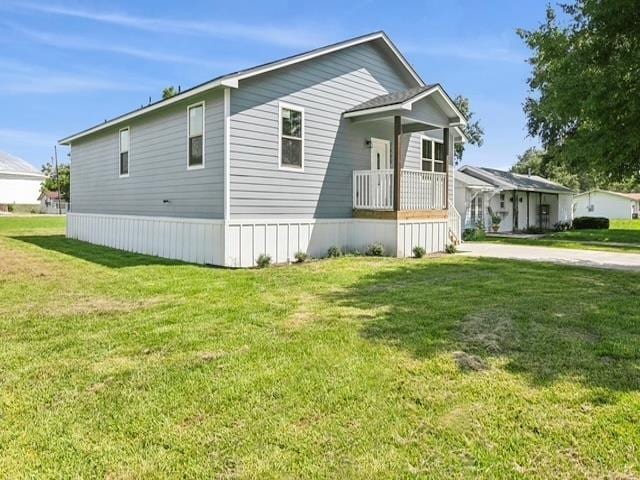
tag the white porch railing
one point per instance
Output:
(455, 226)
(422, 190)
(373, 190)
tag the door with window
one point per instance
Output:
(381, 181)
(380, 154)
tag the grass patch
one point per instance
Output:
(126, 366)
(623, 236)
(559, 243)
(620, 231)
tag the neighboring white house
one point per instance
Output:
(522, 201)
(344, 145)
(603, 203)
(19, 181)
(472, 197)
(51, 203)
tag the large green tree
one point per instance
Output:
(538, 162)
(473, 130)
(60, 181)
(585, 86)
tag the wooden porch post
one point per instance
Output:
(539, 209)
(445, 165)
(397, 152)
(528, 209)
(514, 216)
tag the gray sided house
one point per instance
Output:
(521, 201)
(344, 145)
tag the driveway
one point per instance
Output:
(583, 258)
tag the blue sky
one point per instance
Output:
(66, 65)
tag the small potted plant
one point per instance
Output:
(495, 220)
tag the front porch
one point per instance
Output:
(410, 163)
(422, 194)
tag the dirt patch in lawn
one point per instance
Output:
(490, 331)
(16, 265)
(68, 304)
(467, 362)
(304, 314)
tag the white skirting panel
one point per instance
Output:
(282, 239)
(241, 242)
(430, 235)
(366, 232)
(188, 239)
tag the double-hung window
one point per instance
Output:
(432, 155)
(195, 136)
(124, 152)
(438, 158)
(291, 137)
(427, 155)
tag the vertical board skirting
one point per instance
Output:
(281, 240)
(203, 241)
(190, 240)
(430, 235)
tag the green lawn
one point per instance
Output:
(620, 231)
(117, 365)
(622, 236)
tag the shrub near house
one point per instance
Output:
(590, 223)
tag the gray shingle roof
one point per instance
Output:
(391, 98)
(509, 180)
(471, 181)
(11, 164)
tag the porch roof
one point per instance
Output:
(405, 100)
(394, 98)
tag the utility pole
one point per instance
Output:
(55, 152)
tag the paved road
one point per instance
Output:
(567, 256)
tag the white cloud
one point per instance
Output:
(493, 49)
(288, 36)
(9, 135)
(86, 44)
(16, 78)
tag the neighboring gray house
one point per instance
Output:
(344, 145)
(522, 201)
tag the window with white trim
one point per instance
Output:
(124, 152)
(432, 156)
(291, 137)
(195, 136)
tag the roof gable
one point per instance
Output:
(405, 99)
(232, 80)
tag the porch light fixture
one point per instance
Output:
(367, 142)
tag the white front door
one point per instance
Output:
(380, 154)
